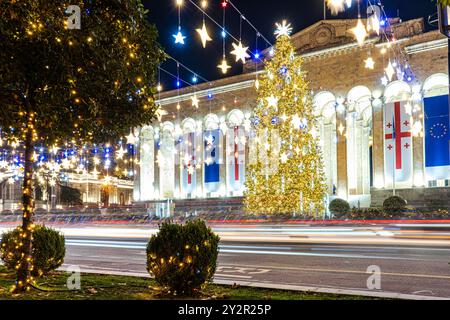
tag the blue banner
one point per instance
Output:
(212, 156)
(437, 138)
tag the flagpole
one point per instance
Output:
(393, 168)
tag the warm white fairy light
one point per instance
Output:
(240, 52)
(336, 6)
(204, 35)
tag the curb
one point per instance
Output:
(347, 292)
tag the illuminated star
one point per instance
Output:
(284, 158)
(283, 29)
(195, 101)
(209, 140)
(131, 139)
(370, 63)
(240, 52)
(160, 113)
(360, 32)
(224, 66)
(179, 38)
(384, 81)
(120, 153)
(272, 101)
(203, 32)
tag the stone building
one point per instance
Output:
(350, 102)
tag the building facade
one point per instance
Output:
(200, 153)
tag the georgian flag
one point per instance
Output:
(188, 164)
(236, 141)
(398, 156)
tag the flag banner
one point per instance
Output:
(188, 164)
(398, 156)
(236, 142)
(437, 138)
(212, 160)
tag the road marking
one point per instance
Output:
(341, 271)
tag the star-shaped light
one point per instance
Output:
(203, 32)
(195, 101)
(390, 71)
(160, 113)
(336, 6)
(283, 29)
(131, 139)
(370, 63)
(240, 52)
(257, 84)
(284, 158)
(224, 66)
(272, 101)
(360, 32)
(120, 153)
(384, 81)
(179, 38)
(341, 129)
(209, 140)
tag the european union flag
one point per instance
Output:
(437, 137)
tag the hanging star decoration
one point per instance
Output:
(384, 81)
(240, 52)
(179, 38)
(390, 71)
(283, 29)
(370, 63)
(195, 101)
(224, 66)
(360, 32)
(336, 6)
(203, 32)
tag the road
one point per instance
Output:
(411, 261)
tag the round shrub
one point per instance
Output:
(339, 207)
(182, 258)
(48, 250)
(394, 205)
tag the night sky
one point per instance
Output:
(262, 13)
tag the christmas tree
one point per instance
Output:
(285, 173)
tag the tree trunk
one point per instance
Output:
(24, 268)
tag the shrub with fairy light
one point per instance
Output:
(394, 205)
(182, 258)
(48, 247)
(339, 207)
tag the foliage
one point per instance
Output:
(72, 87)
(367, 214)
(444, 2)
(182, 258)
(70, 196)
(394, 205)
(339, 207)
(48, 250)
(285, 173)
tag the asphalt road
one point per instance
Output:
(411, 262)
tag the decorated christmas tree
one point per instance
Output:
(285, 173)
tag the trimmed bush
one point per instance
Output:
(339, 207)
(394, 205)
(182, 258)
(48, 250)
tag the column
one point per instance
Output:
(177, 166)
(200, 163)
(223, 164)
(365, 160)
(341, 145)
(156, 184)
(418, 154)
(378, 146)
(137, 169)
